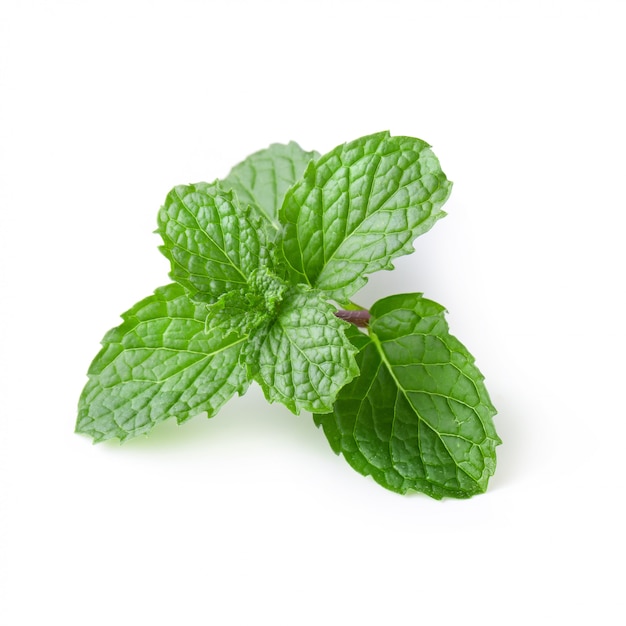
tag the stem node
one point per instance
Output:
(359, 317)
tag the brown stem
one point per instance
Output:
(359, 317)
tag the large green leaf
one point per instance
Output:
(263, 178)
(212, 243)
(304, 357)
(418, 417)
(357, 208)
(159, 363)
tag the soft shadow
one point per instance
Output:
(241, 419)
(515, 438)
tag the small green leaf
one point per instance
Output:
(263, 178)
(159, 363)
(419, 416)
(242, 311)
(357, 208)
(213, 245)
(304, 357)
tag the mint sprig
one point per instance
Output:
(265, 263)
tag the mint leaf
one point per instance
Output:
(212, 244)
(263, 178)
(159, 363)
(419, 416)
(256, 260)
(304, 357)
(357, 208)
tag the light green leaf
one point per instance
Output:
(418, 417)
(158, 364)
(304, 356)
(213, 244)
(357, 208)
(263, 178)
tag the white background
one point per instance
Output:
(249, 517)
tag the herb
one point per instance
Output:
(265, 264)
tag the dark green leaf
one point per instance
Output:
(418, 417)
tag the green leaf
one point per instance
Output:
(304, 357)
(158, 364)
(212, 244)
(419, 416)
(357, 208)
(263, 178)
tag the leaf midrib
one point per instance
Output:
(385, 361)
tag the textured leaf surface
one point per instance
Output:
(245, 310)
(419, 416)
(357, 208)
(159, 363)
(264, 177)
(213, 245)
(305, 357)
